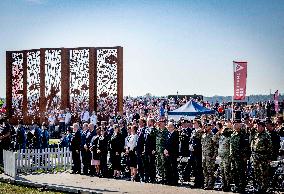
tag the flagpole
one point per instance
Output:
(233, 91)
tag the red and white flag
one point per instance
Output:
(240, 80)
(276, 100)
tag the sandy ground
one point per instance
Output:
(102, 185)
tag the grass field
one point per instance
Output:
(14, 189)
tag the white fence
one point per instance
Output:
(36, 160)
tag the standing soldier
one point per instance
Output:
(161, 139)
(223, 137)
(238, 157)
(275, 139)
(209, 154)
(196, 154)
(261, 154)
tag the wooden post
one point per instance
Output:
(120, 79)
(42, 100)
(65, 78)
(93, 79)
(25, 84)
(9, 84)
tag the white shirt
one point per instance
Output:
(67, 118)
(51, 120)
(94, 119)
(61, 117)
(85, 116)
(131, 141)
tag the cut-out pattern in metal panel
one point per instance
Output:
(79, 78)
(17, 84)
(53, 78)
(33, 82)
(107, 79)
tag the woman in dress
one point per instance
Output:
(130, 150)
(116, 147)
(95, 162)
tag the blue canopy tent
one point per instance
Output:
(189, 110)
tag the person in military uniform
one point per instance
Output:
(275, 139)
(76, 148)
(184, 136)
(209, 154)
(150, 151)
(161, 138)
(196, 154)
(261, 155)
(223, 137)
(238, 157)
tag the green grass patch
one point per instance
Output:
(6, 188)
(54, 141)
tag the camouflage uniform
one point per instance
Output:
(261, 153)
(161, 139)
(209, 153)
(238, 159)
(224, 153)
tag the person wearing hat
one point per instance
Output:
(238, 157)
(196, 154)
(184, 136)
(223, 137)
(209, 154)
(275, 139)
(161, 138)
(261, 155)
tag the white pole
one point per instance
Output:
(233, 90)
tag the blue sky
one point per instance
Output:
(186, 46)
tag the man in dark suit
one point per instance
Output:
(76, 147)
(150, 151)
(171, 154)
(140, 148)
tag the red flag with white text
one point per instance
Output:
(240, 80)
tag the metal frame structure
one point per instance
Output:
(40, 79)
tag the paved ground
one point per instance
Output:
(102, 185)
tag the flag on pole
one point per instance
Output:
(240, 80)
(276, 100)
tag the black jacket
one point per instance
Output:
(172, 144)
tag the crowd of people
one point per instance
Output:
(143, 144)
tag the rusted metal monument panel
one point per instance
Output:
(39, 81)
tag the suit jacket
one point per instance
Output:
(172, 144)
(140, 142)
(150, 142)
(76, 141)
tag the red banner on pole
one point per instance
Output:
(276, 100)
(240, 80)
